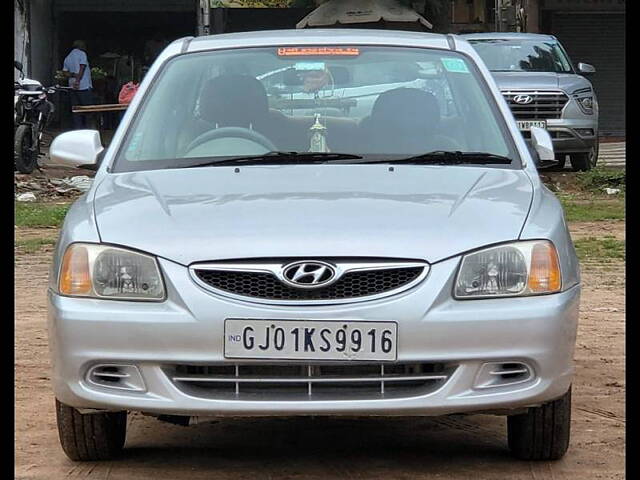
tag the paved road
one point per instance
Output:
(612, 154)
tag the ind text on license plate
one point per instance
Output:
(310, 340)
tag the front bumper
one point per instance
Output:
(432, 327)
(572, 137)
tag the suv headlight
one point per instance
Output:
(515, 269)
(102, 271)
(585, 100)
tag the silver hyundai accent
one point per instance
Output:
(371, 237)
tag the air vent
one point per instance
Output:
(499, 374)
(121, 377)
(307, 382)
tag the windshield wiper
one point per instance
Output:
(442, 157)
(279, 157)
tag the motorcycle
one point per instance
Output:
(32, 111)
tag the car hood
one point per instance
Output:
(568, 82)
(212, 213)
(526, 80)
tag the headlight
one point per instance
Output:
(584, 97)
(102, 271)
(516, 269)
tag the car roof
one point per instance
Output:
(508, 36)
(317, 36)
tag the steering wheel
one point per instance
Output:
(232, 132)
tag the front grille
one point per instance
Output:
(326, 381)
(266, 285)
(545, 105)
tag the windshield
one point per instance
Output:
(369, 102)
(501, 55)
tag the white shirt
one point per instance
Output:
(72, 64)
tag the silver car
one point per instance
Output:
(237, 258)
(544, 89)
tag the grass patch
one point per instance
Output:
(598, 179)
(32, 245)
(40, 214)
(593, 210)
(604, 249)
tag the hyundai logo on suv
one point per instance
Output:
(523, 99)
(308, 274)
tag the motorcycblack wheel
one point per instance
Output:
(25, 159)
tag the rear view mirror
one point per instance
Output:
(18, 65)
(586, 69)
(543, 146)
(77, 148)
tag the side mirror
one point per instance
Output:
(77, 148)
(586, 69)
(543, 146)
(19, 67)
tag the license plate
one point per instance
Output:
(310, 340)
(527, 124)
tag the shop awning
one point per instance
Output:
(345, 12)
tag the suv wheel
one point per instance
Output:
(95, 436)
(558, 167)
(581, 162)
(543, 432)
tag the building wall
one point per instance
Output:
(42, 40)
(126, 5)
(20, 36)
(593, 31)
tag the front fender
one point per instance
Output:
(546, 220)
(79, 226)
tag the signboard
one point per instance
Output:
(263, 3)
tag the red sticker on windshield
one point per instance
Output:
(312, 51)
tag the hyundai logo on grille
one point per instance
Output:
(311, 274)
(523, 99)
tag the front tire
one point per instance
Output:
(94, 436)
(25, 160)
(582, 162)
(559, 167)
(543, 432)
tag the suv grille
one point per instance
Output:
(266, 285)
(326, 381)
(545, 105)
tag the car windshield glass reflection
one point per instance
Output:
(361, 102)
(522, 56)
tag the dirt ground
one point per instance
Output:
(453, 447)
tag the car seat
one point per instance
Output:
(233, 100)
(403, 121)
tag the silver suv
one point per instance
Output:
(238, 256)
(543, 89)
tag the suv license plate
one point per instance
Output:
(310, 340)
(526, 125)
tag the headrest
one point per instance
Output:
(407, 108)
(233, 101)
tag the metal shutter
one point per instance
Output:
(598, 39)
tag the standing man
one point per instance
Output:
(79, 71)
